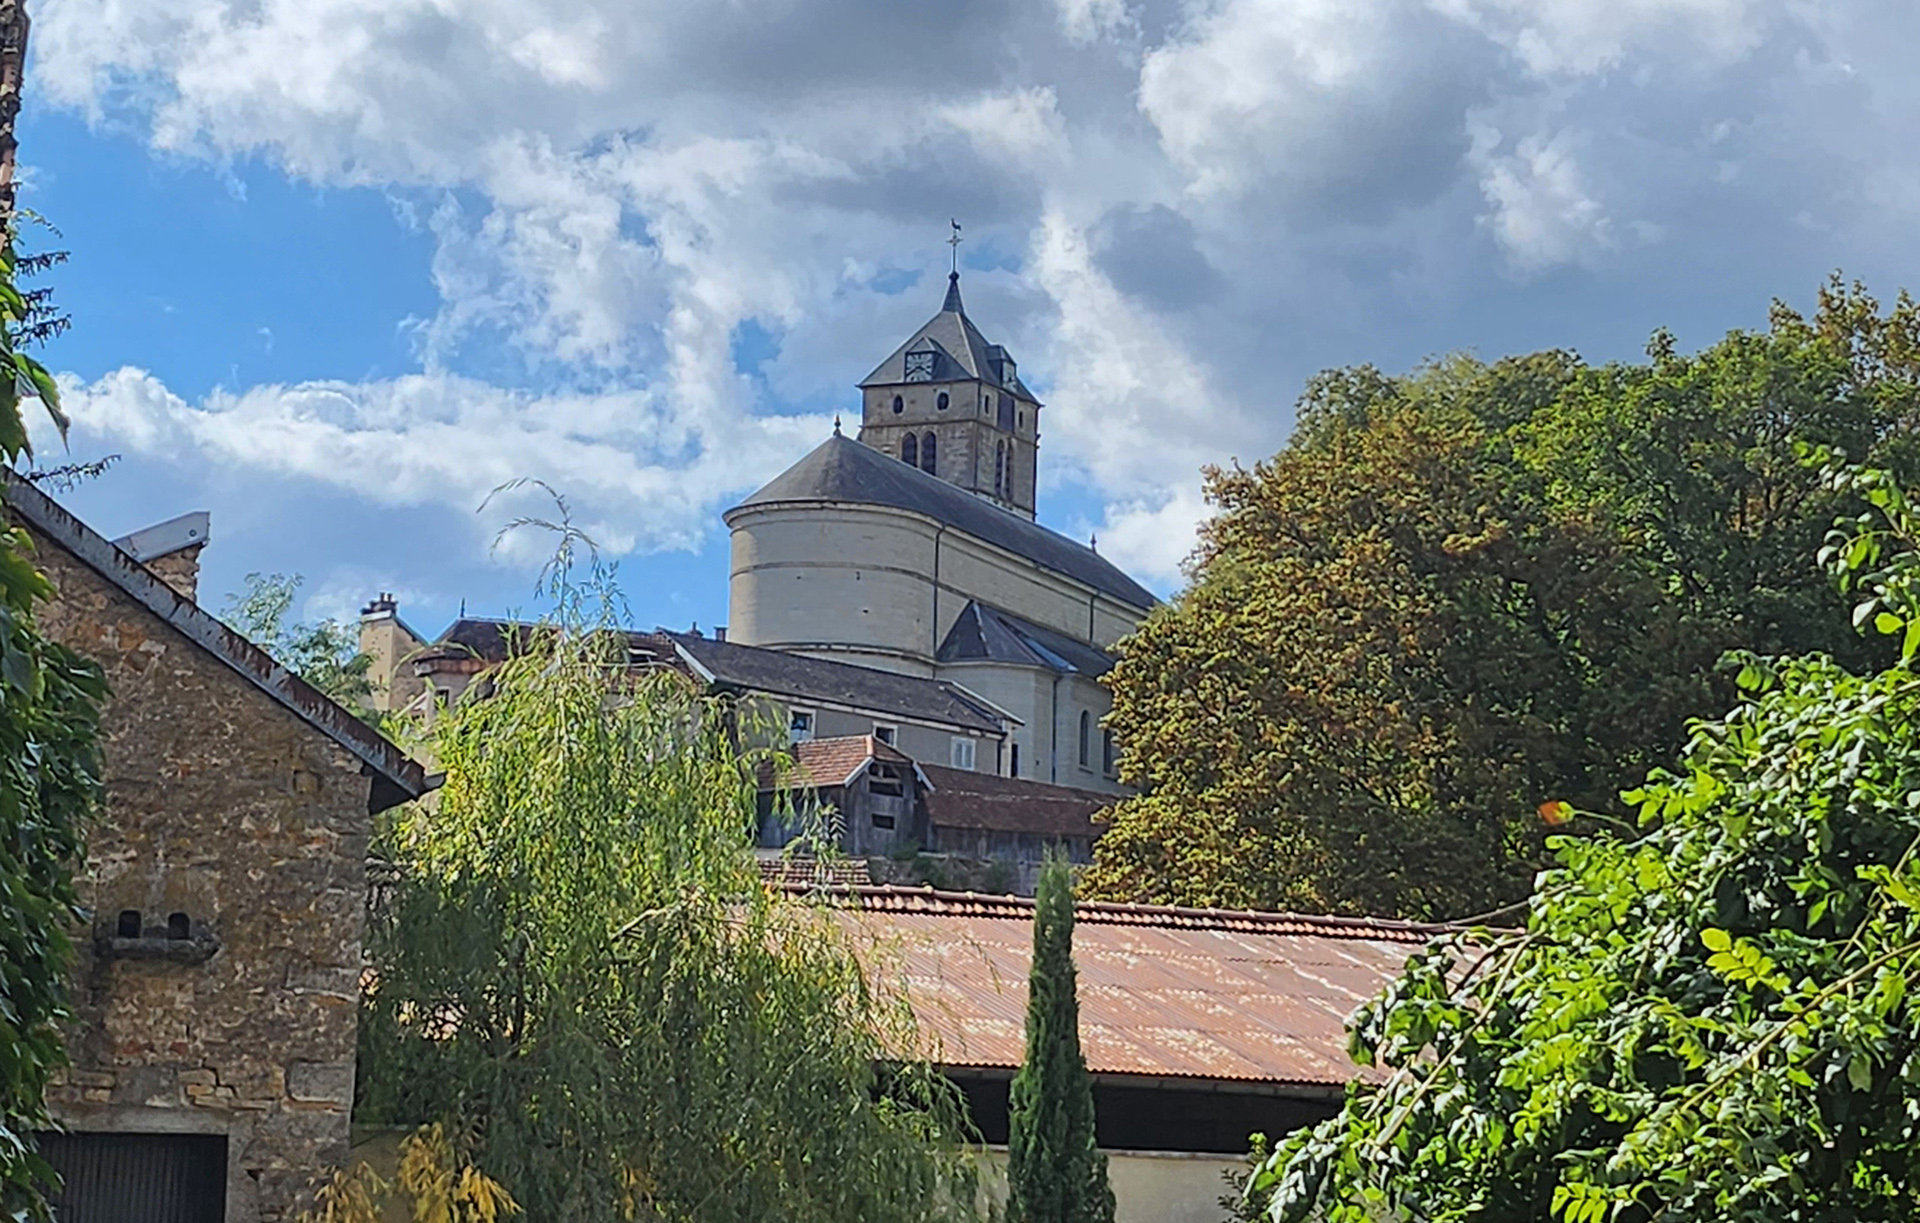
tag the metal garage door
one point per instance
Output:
(139, 1178)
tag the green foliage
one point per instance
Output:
(1462, 592)
(578, 964)
(325, 653)
(1056, 1172)
(49, 783)
(1708, 1018)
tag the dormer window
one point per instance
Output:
(1007, 375)
(919, 367)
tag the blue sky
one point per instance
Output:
(340, 267)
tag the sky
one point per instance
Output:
(340, 269)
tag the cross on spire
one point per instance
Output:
(955, 242)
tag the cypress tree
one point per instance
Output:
(1055, 1172)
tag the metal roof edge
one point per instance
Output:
(1114, 913)
(403, 777)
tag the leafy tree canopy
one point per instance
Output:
(580, 971)
(1709, 1017)
(1463, 591)
(325, 653)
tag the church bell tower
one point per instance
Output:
(952, 405)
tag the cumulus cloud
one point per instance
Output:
(1176, 209)
(442, 440)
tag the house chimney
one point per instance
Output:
(719, 632)
(391, 645)
(171, 551)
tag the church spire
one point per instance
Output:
(952, 304)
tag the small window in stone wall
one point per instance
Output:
(927, 444)
(178, 927)
(1106, 752)
(910, 450)
(941, 402)
(899, 405)
(129, 924)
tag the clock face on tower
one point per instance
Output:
(919, 366)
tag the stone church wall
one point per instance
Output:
(225, 807)
(861, 578)
(857, 577)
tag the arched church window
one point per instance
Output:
(927, 452)
(899, 405)
(941, 402)
(1106, 752)
(910, 450)
(1086, 738)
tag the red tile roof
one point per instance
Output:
(830, 763)
(1256, 998)
(805, 873)
(962, 799)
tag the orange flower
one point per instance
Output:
(1556, 812)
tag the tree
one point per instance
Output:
(325, 653)
(49, 783)
(1709, 1016)
(581, 973)
(1462, 591)
(1056, 1172)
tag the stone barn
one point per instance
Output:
(215, 996)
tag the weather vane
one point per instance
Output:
(955, 242)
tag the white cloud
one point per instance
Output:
(614, 187)
(441, 440)
(1580, 37)
(1539, 208)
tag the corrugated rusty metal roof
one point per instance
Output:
(1254, 998)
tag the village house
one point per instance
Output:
(215, 995)
(902, 821)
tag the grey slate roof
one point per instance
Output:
(843, 470)
(986, 634)
(962, 351)
(728, 664)
(396, 776)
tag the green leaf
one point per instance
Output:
(1860, 1073)
(1716, 940)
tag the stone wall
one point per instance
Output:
(224, 807)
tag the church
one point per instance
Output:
(934, 654)
(914, 549)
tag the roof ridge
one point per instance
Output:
(930, 900)
(950, 503)
(397, 776)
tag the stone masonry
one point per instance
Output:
(216, 991)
